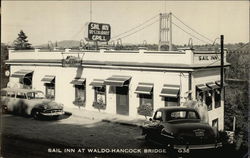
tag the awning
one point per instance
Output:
(212, 85)
(97, 83)
(118, 81)
(218, 83)
(78, 81)
(21, 73)
(203, 87)
(48, 79)
(170, 90)
(144, 88)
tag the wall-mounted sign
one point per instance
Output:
(206, 58)
(71, 61)
(99, 32)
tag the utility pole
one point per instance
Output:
(222, 66)
(90, 11)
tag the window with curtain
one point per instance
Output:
(50, 90)
(80, 95)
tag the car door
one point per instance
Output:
(10, 100)
(20, 105)
(157, 125)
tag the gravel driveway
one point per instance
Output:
(73, 131)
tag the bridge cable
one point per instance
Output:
(191, 28)
(190, 33)
(139, 29)
(116, 36)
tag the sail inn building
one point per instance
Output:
(119, 81)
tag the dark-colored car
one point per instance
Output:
(29, 102)
(180, 128)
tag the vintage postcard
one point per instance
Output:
(124, 79)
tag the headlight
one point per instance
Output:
(45, 107)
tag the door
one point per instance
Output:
(122, 104)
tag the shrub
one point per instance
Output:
(145, 110)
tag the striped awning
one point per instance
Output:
(48, 79)
(21, 73)
(118, 81)
(212, 85)
(170, 91)
(203, 87)
(97, 83)
(78, 81)
(144, 88)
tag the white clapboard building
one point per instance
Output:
(121, 81)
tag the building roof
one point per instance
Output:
(116, 63)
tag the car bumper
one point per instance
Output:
(52, 114)
(203, 146)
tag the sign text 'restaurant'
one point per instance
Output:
(99, 32)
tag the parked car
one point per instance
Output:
(180, 128)
(29, 102)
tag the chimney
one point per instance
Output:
(142, 49)
(37, 49)
(67, 50)
(11, 49)
(102, 49)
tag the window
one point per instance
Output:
(175, 115)
(205, 97)
(158, 115)
(35, 95)
(170, 94)
(21, 95)
(171, 101)
(146, 99)
(100, 97)
(80, 95)
(208, 99)
(27, 81)
(200, 95)
(146, 107)
(11, 94)
(217, 98)
(50, 90)
(215, 123)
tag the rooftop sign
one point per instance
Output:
(99, 32)
(72, 61)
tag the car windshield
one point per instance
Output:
(35, 95)
(181, 115)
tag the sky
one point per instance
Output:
(44, 21)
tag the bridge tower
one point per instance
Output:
(165, 30)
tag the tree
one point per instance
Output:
(4, 56)
(21, 42)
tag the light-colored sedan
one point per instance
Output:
(29, 102)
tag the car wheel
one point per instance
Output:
(35, 114)
(55, 117)
(147, 137)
